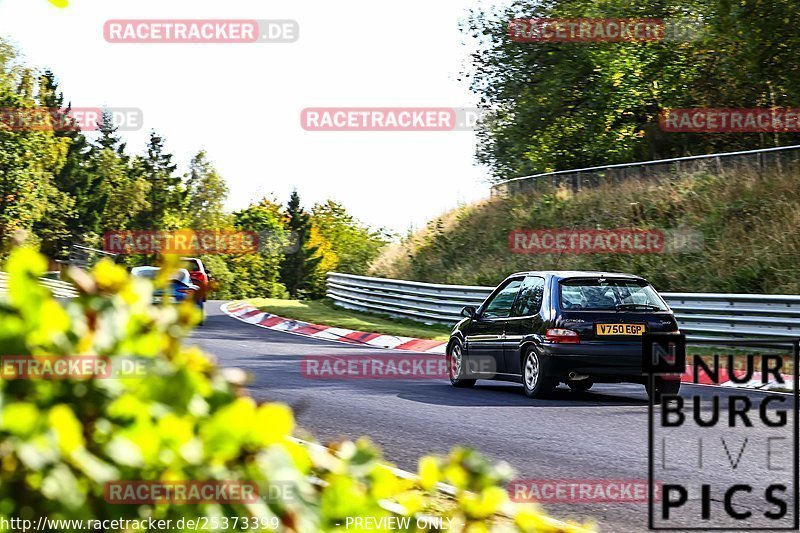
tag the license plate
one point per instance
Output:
(156, 299)
(619, 329)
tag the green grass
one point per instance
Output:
(323, 312)
(748, 222)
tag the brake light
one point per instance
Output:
(562, 336)
(186, 291)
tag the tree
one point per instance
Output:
(205, 194)
(108, 134)
(76, 182)
(29, 159)
(257, 274)
(561, 105)
(343, 244)
(166, 195)
(298, 267)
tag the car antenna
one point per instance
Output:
(571, 231)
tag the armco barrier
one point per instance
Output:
(700, 315)
(60, 289)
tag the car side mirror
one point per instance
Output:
(468, 312)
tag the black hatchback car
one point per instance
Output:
(546, 328)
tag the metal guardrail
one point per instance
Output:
(700, 315)
(60, 289)
(777, 159)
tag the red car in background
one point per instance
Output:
(198, 274)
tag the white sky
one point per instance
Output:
(242, 102)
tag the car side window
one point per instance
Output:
(500, 305)
(530, 298)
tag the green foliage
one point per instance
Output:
(29, 160)
(206, 192)
(343, 244)
(258, 274)
(569, 105)
(60, 189)
(166, 194)
(298, 267)
(184, 419)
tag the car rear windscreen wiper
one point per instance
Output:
(649, 307)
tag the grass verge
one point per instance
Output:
(323, 312)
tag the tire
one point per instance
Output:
(668, 387)
(534, 382)
(582, 385)
(456, 366)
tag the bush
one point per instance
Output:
(61, 441)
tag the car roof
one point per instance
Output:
(134, 270)
(180, 273)
(565, 274)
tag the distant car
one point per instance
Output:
(198, 273)
(181, 287)
(546, 328)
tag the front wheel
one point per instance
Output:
(533, 377)
(456, 366)
(201, 307)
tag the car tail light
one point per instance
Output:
(186, 291)
(562, 336)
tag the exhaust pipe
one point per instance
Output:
(577, 377)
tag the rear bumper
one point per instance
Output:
(598, 359)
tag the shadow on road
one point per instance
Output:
(490, 394)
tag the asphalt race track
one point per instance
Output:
(601, 434)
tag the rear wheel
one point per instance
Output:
(201, 307)
(668, 387)
(457, 365)
(534, 381)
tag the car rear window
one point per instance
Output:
(148, 273)
(608, 294)
(192, 265)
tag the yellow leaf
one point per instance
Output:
(19, 418)
(274, 422)
(428, 472)
(67, 428)
(109, 277)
